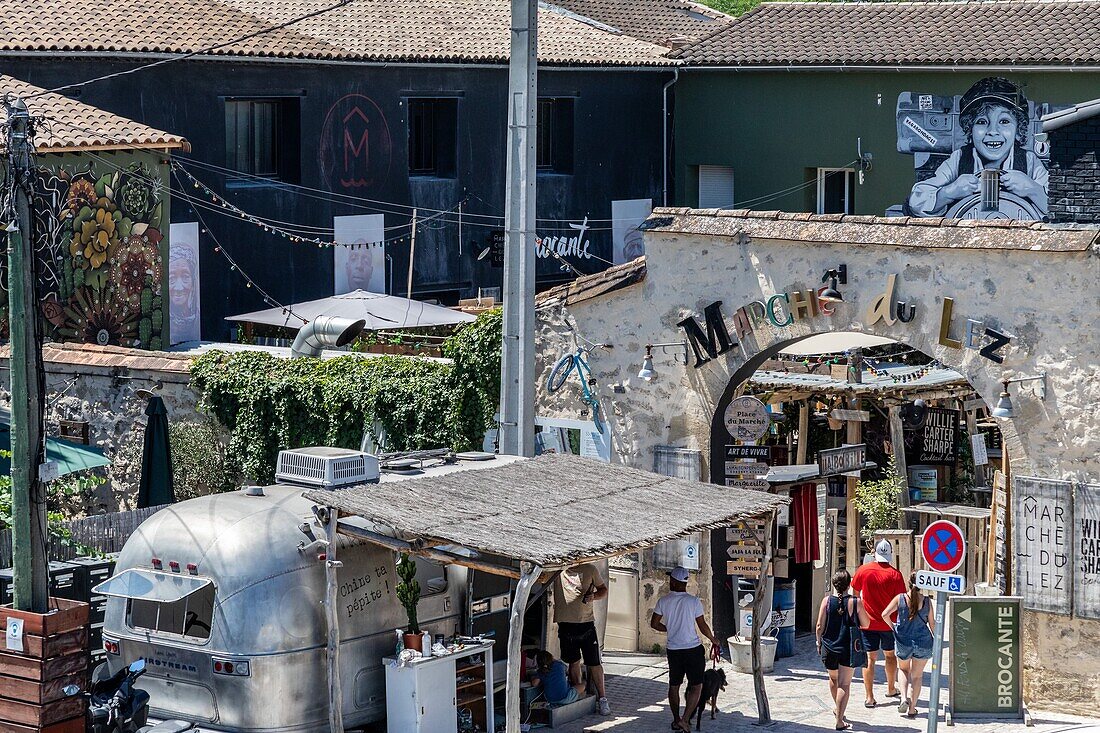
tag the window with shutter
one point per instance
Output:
(715, 187)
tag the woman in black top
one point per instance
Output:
(838, 621)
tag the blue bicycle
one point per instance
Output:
(561, 372)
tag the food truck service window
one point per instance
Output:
(163, 602)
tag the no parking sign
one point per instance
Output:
(943, 546)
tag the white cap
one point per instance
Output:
(884, 551)
(679, 574)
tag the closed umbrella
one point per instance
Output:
(156, 458)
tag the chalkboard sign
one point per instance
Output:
(986, 657)
(1043, 543)
(931, 435)
(1086, 542)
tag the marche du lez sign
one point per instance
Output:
(713, 338)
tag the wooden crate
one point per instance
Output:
(32, 679)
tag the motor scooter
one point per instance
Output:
(114, 704)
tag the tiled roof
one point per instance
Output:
(587, 287)
(948, 32)
(69, 126)
(475, 31)
(931, 233)
(667, 23)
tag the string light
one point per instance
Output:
(922, 371)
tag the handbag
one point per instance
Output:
(857, 653)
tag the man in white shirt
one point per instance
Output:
(678, 614)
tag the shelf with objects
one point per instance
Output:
(451, 690)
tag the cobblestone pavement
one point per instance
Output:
(798, 693)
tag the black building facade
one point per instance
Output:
(316, 140)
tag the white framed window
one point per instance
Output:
(836, 189)
(715, 187)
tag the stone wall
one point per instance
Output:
(99, 384)
(1075, 172)
(1035, 283)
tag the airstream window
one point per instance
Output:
(432, 575)
(189, 616)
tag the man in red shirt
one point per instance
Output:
(877, 583)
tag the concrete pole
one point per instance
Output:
(517, 383)
(29, 539)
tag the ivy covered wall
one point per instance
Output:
(269, 403)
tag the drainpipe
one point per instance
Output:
(322, 331)
(664, 140)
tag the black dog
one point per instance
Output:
(714, 681)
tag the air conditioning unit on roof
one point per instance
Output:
(326, 468)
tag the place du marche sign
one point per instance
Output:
(986, 662)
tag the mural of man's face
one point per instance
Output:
(180, 282)
(993, 133)
(360, 269)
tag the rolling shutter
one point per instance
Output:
(715, 187)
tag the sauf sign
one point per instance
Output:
(716, 336)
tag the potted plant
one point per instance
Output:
(878, 502)
(408, 592)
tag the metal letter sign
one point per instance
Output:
(943, 546)
(986, 662)
(747, 418)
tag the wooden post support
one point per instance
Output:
(528, 574)
(803, 431)
(335, 694)
(897, 441)
(412, 254)
(853, 555)
(759, 613)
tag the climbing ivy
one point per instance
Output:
(267, 403)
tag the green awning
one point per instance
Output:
(69, 457)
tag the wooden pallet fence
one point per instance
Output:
(104, 533)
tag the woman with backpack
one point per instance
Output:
(839, 642)
(912, 641)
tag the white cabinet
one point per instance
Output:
(424, 696)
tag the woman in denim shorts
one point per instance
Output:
(912, 641)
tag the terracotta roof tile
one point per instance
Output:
(587, 287)
(68, 125)
(363, 30)
(946, 32)
(667, 23)
(849, 229)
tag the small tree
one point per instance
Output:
(878, 502)
(408, 591)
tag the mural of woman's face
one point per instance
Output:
(180, 282)
(993, 133)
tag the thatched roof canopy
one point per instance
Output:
(554, 510)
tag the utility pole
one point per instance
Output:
(28, 495)
(517, 383)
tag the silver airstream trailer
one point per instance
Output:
(222, 597)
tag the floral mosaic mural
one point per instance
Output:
(99, 231)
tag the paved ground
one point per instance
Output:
(798, 692)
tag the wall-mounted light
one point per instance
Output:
(1004, 408)
(647, 372)
(835, 276)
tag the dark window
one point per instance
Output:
(555, 135)
(836, 189)
(433, 127)
(261, 137)
(190, 616)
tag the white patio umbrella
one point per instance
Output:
(378, 310)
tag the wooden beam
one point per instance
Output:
(335, 694)
(897, 441)
(399, 545)
(759, 614)
(853, 556)
(528, 574)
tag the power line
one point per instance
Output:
(192, 54)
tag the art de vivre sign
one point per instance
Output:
(714, 338)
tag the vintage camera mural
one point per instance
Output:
(976, 156)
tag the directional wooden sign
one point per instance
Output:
(745, 567)
(832, 461)
(738, 534)
(747, 550)
(734, 468)
(851, 415)
(752, 484)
